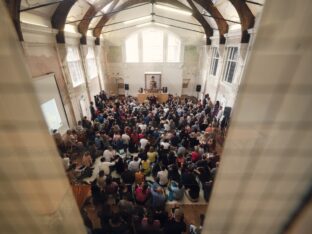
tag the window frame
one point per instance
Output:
(178, 56)
(215, 57)
(156, 46)
(137, 35)
(75, 67)
(231, 62)
(92, 69)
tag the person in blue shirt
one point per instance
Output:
(158, 197)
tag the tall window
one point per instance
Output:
(153, 41)
(132, 49)
(214, 61)
(173, 49)
(74, 66)
(91, 64)
(230, 65)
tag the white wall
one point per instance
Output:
(215, 86)
(172, 73)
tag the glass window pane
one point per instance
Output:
(152, 45)
(132, 49)
(173, 49)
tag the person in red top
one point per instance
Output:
(142, 194)
(195, 156)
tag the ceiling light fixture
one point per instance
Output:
(168, 8)
(137, 19)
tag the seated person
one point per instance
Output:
(111, 187)
(158, 198)
(134, 165)
(117, 225)
(86, 159)
(139, 176)
(142, 193)
(146, 166)
(149, 225)
(152, 155)
(128, 178)
(163, 176)
(176, 191)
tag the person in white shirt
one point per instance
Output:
(125, 138)
(167, 126)
(142, 127)
(219, 115)
(143, 143)
(109, 154)
(165, 144)
(105, 166)
(163, 176)
(134, 165)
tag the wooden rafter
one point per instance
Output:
(246, 17)
(223, 27)
(59, 18)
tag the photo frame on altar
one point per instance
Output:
(149, 84)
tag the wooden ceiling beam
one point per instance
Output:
(84, 24)
(208, 30)
(202, 21)
(223, 27)
(246, 17)
(59, 17)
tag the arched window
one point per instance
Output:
(173, 49)
(132, 49)
(153, 45)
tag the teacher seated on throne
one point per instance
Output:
(153, 85)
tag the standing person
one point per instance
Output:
(158, 197)
(92, 111)
(126, 140)
(109, 154)
(163, 176)
(176, 224)
(142, 194)
(134, 165)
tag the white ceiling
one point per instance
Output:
(81, 6)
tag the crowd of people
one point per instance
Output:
(137, 157)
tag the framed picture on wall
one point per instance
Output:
(152, 81)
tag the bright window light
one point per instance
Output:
(132, 49)
(51, 114)
(173, 49)
(153, 41)
(91, 64)
(74, 66)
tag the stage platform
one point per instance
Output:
(161, 97)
